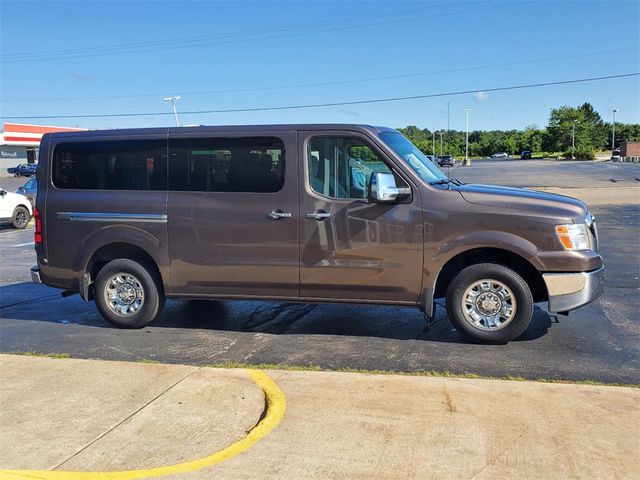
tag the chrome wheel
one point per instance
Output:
(488, 305)
(123, 294)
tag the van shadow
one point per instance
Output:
(32, 302)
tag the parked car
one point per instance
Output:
(130, 217)
(29, 189)
(500, 155)
(525, 155)
(15, 208)
(446, 160)
(23, 170)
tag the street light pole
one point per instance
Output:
(466, 147)
(173, 101)
(613, 134)
(573, 141)
(433, 141)
(440, 142)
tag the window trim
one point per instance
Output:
(369, 142)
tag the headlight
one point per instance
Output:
(573, 236)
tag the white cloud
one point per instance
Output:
(482, 96)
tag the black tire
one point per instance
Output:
(153, 294)
(16, 174)
(512, 280)
(20, 218)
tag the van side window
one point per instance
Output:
(226, 164)
(342, 167)
(111, 165)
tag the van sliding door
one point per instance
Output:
(233, 214)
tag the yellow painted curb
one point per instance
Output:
(276, 404)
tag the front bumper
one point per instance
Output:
(35, 275)
(568, 291)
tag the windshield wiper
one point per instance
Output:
(446, 181)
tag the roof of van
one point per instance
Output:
(225, 128)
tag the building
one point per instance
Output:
(630, 149)
(19, 143)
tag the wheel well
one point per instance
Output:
(492, 255)
(112, 251)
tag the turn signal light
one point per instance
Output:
(573, 236)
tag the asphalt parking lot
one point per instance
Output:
(598, 342)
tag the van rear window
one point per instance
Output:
(226, 164)
(111, 165)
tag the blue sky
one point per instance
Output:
(260, 54)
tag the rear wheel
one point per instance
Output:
(20, 218)
(128, 294)
(490, 303)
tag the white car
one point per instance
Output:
(15, 208)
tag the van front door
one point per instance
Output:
(351, 249)
(233, 214)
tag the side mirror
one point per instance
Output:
(2, 192)
(383, 189)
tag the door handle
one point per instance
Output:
(319, 215)
(278, 215)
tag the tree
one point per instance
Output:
(590, 131)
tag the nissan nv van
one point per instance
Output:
(307, 213)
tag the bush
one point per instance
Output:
(582, 153)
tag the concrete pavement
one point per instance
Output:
(89, 415)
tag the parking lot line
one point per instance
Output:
(25, 244)
(275, 406)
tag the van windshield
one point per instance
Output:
(411, 154)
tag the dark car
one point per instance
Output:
(23, 170)
(525, 155)
(29, 189)
(307, 213)
(446, 160)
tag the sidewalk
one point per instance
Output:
(86, 415)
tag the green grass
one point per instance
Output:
(418, 373)
(147, 360)
(40, 354)
(316, 368)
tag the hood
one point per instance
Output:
(545, 204)
(15, 198)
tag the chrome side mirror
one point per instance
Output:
(383, 189)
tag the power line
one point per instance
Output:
(110, 51)
(334, 82)
(336, 104)
(173, 41)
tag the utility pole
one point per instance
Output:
(613, 135)
(573, 141)
(466, 148)
(173, 101)
(448, 128)
(440, 142)
(433, 141)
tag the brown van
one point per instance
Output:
(309, 213)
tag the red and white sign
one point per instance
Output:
(28, 135)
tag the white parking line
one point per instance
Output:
(25, 244)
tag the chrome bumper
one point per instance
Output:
(35, 275)
(568, 291)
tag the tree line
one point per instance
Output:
(592, 134)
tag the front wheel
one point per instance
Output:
(128, 294)
(490, 303)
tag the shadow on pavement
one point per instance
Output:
(32, 302)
